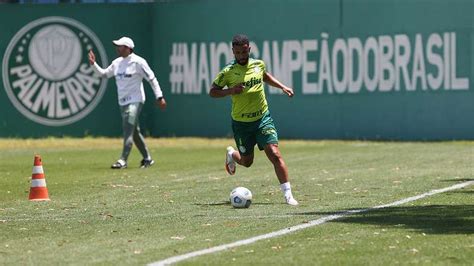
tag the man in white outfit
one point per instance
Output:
(129, 70)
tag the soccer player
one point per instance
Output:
(129, 70)
(251, 120)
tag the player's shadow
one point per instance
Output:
(224, 203)
(211, 204)
(430, 219)
(458, 180)
(464, 191)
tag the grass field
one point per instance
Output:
(137, 216)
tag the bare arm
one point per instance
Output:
(219, 92)
(272, 81)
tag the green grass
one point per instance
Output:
(136, 216)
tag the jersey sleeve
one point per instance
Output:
(264, 67)
(148, 74)
(220, 79)
(146, 71)
(108, 72)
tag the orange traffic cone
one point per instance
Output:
(38, 190)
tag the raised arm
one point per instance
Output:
(272, 81)
(108, 72)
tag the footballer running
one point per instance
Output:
(251, 120)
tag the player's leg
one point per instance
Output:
(233, 157)
(139, 141)
(267, 139)
(243, 159)
(128, 113)
(281, 170)
(245, 141)
(274, 155)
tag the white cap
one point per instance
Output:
(125, 41)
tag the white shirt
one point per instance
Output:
(129, 73)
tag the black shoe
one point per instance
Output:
(146, 163)
(119, 164)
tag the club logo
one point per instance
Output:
(46, 73)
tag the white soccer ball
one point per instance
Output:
(240, 197)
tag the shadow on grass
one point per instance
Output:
(431, 219)
(223, 203)
(458, 180)
(464, 191)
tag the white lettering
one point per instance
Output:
(325, 66)
(419, 71)
(386, 66)
(447, 62)
(203, 74)
(308, 67)
(60, 96)
(371, 46)
(435, 41)
(457, 83)
(355, 49)
(382, 63)
(402, 59)
(26, 79)
(293, 52)
(190, 68)
(46, 99)
(340, 85)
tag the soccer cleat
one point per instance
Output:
(229, 161)
(146, 163)
(291, 201)
(119, 164)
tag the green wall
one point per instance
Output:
(103, 20)
(346, 60)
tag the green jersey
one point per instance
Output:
(251, 104)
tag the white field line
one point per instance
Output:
(312, 223)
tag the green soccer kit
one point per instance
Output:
(251, 120)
